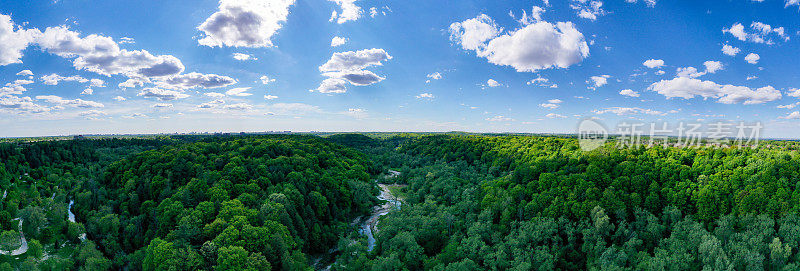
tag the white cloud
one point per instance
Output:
(492, 83)
(348, 67)
(650, 3)
(13, 40)
(730, 50)
(688, 88)
(162, 94)
(119, 98)
(425, 96)
(73, 103)
(628, 111)
(211, 104)
(21, 105)
(793, 115)
(549, 105)
(332, 85)
(692, 72)
(598, 81)
(713, 66)
(54, 79)
(270, 97)
(539, 45)
(752, 77)
(358, 60)
(101, 55)
(653, 63)
(500, 119)
(266, 80)
(243, 57)
(239, 106)
(629, 92)
(97, 83)
(762, 33)
(25, 73)
(588, 9)
(215, 95)
(794, 92)
(239, 92)
(244, 23)
(338, 41)
(162, 105)
(194, 80)
(349, 11)
(434, 76)
(87, 91)
(542, 82)
(473, 34)
(555, 116)
(92, 114)
(752, 58)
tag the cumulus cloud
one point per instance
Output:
(598, 81)
(555, 116)
(629, 92)
(270, 97)
(654, 63)
(492, 83)
(194, 80)
(244, 23)
(794, 92)
(54, 79)
(357, 60)
(692, 72)
(433, 76)
(349, 67)
(101, 55)
(552, 104)
(243, 57)
(239, 92)
(536, 46)
(752, 58)
(650, 3)
(688, 88)
(730, 50)
(793, 115)
(542, 82)
(588, 9)
(211, 104)
(66, 102)
(332, 85)
(425, 96)
(162, 94)
(13, 40)
(349, 11)
(628, 111)
(25, 73)
(266, 80)
(87, 91)
(338, 41)
(761, 32)
(119, 98)
(500, 119)
(21, 105)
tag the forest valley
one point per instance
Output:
(469, 202)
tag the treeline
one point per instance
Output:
(522, 203)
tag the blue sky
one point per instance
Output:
(171, 66)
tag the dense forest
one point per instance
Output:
(469, 202)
